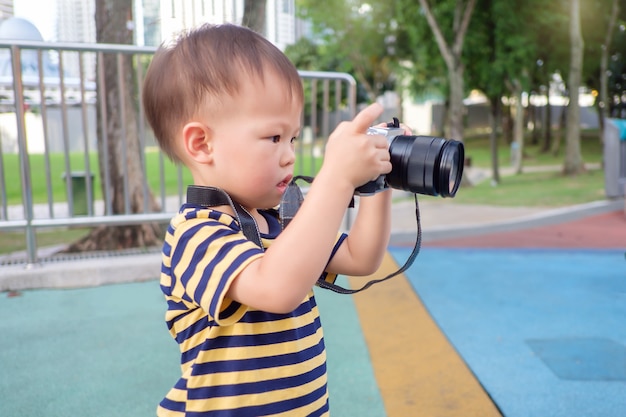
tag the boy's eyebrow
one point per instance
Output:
(283, 126)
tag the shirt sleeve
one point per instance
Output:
(327, 276)
(208, 255)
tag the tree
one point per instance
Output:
(599, 21)
(573, 163)
(451, 50)
(604, 65)
(254, 15)
(485, 73)
(499, 52)
(119, 147)
(616, 69)
(547, 30)
(357, 38)
(421, 66)
(531, 46)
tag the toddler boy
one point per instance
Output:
(227, 104)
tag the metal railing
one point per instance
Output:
(48, 108)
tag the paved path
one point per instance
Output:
(396, 350)
(430, 360)
(537, 330)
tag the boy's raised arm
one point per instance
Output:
(279, 281)
(361, 253)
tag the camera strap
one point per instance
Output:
(290, 203)
(211, 197)
(416, 249)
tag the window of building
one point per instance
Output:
(286, 6)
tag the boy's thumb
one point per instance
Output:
(367, 117)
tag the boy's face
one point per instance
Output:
(253, 137)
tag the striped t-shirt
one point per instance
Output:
(235, 361)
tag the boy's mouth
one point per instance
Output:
(284, 183)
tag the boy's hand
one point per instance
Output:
(355, 156)
(407, 130)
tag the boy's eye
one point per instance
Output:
(277, 138)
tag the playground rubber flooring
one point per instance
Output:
(527, 323)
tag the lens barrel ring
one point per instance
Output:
(426, 165)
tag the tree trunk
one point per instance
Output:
(496, 108)
(457, 108)
(518, 128)
(559, 133)
(507, 124)
(604, 64)
(119, 149)
(547, 139)
(534, 121)
(573, 164)
(451, 54)
(254, 15)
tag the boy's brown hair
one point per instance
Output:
(208, 61)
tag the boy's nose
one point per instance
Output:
(288, 156)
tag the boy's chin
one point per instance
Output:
(274, 203)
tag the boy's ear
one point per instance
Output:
(197, 142)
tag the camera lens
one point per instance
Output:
(426, 165)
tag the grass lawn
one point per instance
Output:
(540, 189)
(13, 241)
(155, 163)
(478, 149)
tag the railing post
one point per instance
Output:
(25, 177)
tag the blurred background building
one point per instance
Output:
(73, 21)
(154, 21)
(6, 9)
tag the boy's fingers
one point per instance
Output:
(367, 117)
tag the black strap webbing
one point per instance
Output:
(290, 203)
(416, 249)
(211, 197)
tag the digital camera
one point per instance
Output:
(420, 164)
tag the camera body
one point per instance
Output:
(420, 164)
(380, 183)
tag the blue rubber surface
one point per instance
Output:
(544, 330)
(106, 352)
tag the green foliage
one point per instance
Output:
(305, 55)
(380, 42)
(309, 56)
(595, 16)
(500, 47)
(353, 37)
(422, 64)
(617, 75)
(548, 29)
